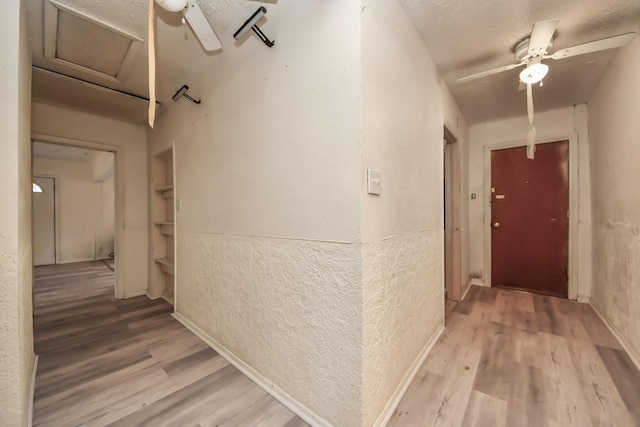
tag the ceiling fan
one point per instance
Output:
(196, 19)
(532, 50)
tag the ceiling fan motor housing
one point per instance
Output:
(522, 48)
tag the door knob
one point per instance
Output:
(496, 225)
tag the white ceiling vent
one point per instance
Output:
(79, 41)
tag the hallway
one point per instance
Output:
(506, 359)
(129, 363)
(515, 359)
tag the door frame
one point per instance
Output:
(118, 175)
(573, 204)
(56, 213)
(452, 213)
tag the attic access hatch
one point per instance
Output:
(78, 41)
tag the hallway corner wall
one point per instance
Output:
(614, 138)
(402, 228)
(267, 177)
(17, 356)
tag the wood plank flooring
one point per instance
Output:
(512, 359)
(129, 363)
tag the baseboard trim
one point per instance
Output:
(32, 390)
(478, 282)
(135, 293)
(467, 291)
(76, 260)
(634, 357)
(280, 395)
(394, 400)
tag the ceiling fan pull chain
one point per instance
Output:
(152, 67)
(531, 139)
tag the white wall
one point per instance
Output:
(102, 165)
(16, 279)
(551, 125)
(402, 128)
(85, 209)
(105, 225)
(268, 176)
(57, 124)
(614, 136)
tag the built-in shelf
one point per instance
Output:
(166, 229)
(165, 188)
(165, 261)
(166, 265)
(163, 228)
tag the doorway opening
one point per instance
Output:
(75, 209)
(452, 243)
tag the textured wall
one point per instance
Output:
(276, 234)
(268, 178)
(616, 275)
(59, 122)
(403, 296)
(402, 128)
(16, 279)
(614, 130)
(291, 309)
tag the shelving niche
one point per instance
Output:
(163, 215)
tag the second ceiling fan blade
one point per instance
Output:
(488, 73)
(201, 27)
(541, 35)
(608, 43)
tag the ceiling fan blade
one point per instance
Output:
(488, 73)
(595, 46)
(541, 35)
(201, 27)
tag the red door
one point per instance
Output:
(530, 219)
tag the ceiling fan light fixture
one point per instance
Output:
(534, 73)
(172, 5)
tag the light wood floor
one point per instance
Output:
(129, 363)
(514, 359)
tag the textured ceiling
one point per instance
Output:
(178, 52)
(463, 36)
(469, 36)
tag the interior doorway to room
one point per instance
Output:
(530, 219)
(44, 221)
(73, 205)
(451, 184)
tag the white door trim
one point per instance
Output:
(119, 178)
(573, 204)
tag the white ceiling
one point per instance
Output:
(463, 37)
(469, 36)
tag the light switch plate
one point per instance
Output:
(374, 181)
